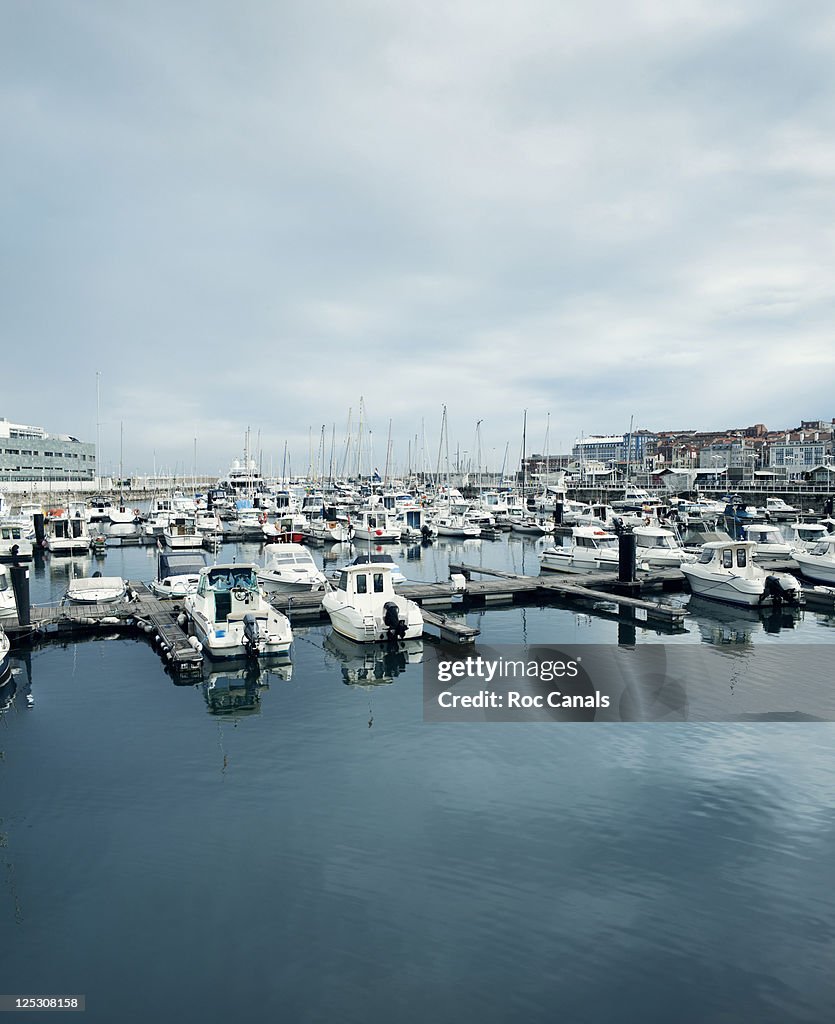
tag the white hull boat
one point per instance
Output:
(591, 550)
(96, 589)
(364, 607)
(178, 573)
(819, 563)
(658, 548)
(378, 527)
(230, 617)
(290, 569)
(726, 571)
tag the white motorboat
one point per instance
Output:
(819, 563)
(67, 533)
(600, 516)
(290, 569)
(530, 525)
(634, 499)
(8, 606)
(806, 536)
(230, 616)
(330, 530)
(98, 510)
(591, 550)
(415, 524)
(453, 524)
(178, 573)
(95, 589)
(776, 508)
(16, 542)
(380, 527)
(726, 571)
(772, 546)
(364, 607)
(655, 546)
(181, 531)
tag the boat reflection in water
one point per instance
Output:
(372, 664)
(236, 688)
(726, 624)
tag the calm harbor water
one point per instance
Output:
(322, 853)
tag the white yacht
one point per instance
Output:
(772, 546)
(601, 516)
(330, 530)
(379, 527)
(776, 508)
(591, 550)
(181, 531)
(530, 525)
(819, 563)
(726, 571)
(67, 533)
(455, 524)
(290, 569)
(657, 547)
(178, 573)
(16, 541)
(805, 536)
(230, 616)
(95, 589)
(364, 607)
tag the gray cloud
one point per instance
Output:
(251, 217)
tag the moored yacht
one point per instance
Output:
(772, 546)
(178, 573)
(819, 563)
(95, 589)
(726, 571)
(230, 616)
(591, 550)
(657, 547)
(364, 607)
(290, 569)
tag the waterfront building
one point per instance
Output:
(30, 455)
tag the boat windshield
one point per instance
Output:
(4, 581)
(821, 548)
(706, 556)
(607, 542)
(232, 579)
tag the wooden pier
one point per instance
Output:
(145, 614)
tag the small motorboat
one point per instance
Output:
(178, 573)
(726, 571)
(819, 563)
(95, 589)
(364, 607)
(290, 569)
(592, 549)
(229, 615)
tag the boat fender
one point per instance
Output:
(182, 620)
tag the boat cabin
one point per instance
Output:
(736, 556)
(370, 581)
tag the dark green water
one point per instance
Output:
(323, 854)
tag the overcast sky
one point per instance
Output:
(252, 214)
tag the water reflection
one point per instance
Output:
(235, 688)
(735, 625)
(372, 664)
